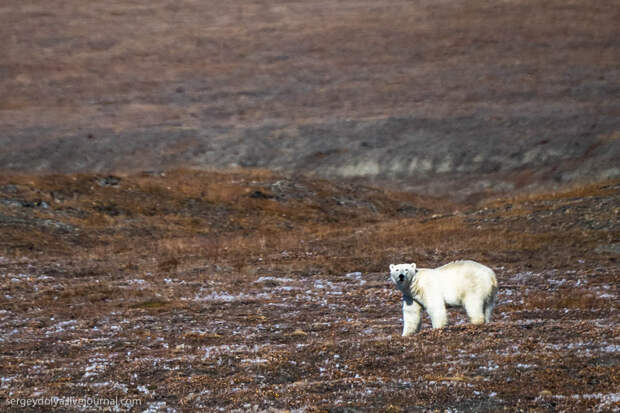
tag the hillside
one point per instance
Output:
(250, 290)
(439, 97)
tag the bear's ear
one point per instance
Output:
(413, 266)
(391, 267)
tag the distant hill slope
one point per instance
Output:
(454, 96)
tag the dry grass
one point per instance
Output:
(188, 216)
(565, 192)
(211, 281)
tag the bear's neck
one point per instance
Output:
(414, 289)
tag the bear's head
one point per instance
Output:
(402, 275)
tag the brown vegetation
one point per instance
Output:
(250, 290)
(241, 290)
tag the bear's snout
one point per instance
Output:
(401, 277)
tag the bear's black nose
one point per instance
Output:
(401, 277)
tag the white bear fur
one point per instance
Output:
(460, 283)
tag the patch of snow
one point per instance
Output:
(490, 366)
(605, 399)
(612, 397)
(523, 276)
(113, 385)
(18, 277)
(286, 288)
(255, 361)
(356, 276)
(269, 278)
(60, 327)
(143, 389)
(5, 381)
(137, 281)
(174, 281)
(213, 351)
(97, 366)
(157, 407)
(227, 298)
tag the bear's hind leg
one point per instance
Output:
(488, 309)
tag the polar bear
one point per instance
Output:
(459, 283)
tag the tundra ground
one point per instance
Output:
(251, 291)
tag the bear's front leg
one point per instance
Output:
(438, 313)
(411, 316)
